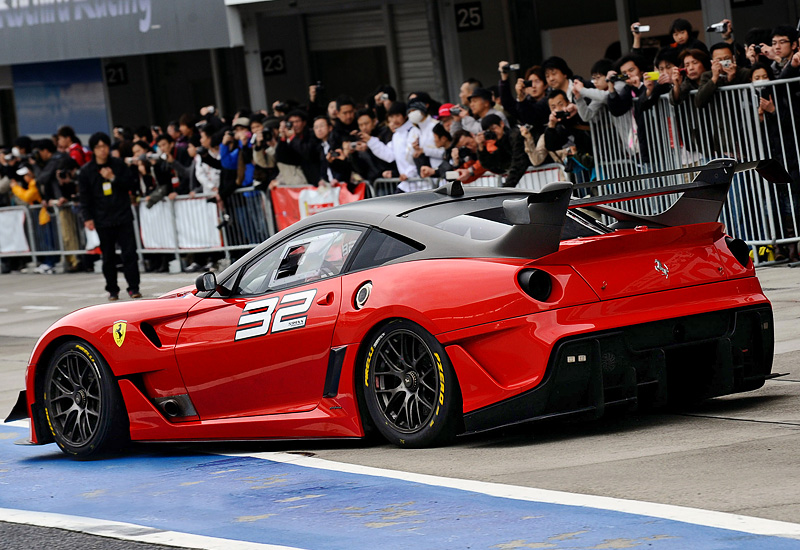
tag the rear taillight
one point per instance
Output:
(739, 249)
(535, 283)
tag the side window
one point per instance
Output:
(311, 256)
(381, 248)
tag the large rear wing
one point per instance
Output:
(702, 199)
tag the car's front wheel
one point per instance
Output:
(82, 402)
(410, 387)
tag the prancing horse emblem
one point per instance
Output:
(663, 269)
(119, 330)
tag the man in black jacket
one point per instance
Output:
(105, 184)
(502, 150)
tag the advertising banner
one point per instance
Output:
(292, 204)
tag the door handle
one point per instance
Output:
(326, 300)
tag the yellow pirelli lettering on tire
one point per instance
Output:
(86, 351)
(366, 369)
(441, 380)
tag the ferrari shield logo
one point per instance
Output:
(119, 332)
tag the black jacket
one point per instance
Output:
(510, 157)
(107, 206)
(302, 151)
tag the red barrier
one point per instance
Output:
(292, 204)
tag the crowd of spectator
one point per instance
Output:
(528, 117)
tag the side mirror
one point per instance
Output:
(206, 282)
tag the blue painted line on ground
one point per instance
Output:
(257, 500)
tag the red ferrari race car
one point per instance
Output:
(422, 316)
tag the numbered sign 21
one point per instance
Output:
(116, 74)
(273, 62)
(469, 16)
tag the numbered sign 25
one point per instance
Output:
(469, 16)
(273, 62)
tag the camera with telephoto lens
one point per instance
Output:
(719, 27)
(505, 69)
(562, 115)
(620, 77)
(489, 135)
(455, 110)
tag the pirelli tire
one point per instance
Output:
(82, 402)
(409, 386)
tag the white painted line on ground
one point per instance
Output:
(129, 531)
(695, 516)
(40, 308)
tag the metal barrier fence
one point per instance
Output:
(684, 135)
(186, 225)
(389, 186)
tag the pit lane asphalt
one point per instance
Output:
(735, 454)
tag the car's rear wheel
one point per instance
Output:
(410, 388)
(82, 402)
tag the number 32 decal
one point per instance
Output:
(286, 318)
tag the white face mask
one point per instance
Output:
(415, 117)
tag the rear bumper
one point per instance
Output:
(675, 360)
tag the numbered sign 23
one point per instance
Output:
(273, 62)
(469, 16)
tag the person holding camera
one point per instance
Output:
(297, 152)
(105, 184)
(362, 160)
(344, 123)
(400, 150)
(502, 150)
(154, 177)
(481, 105)
(333, 166)
(564, 129)
(235, 152)
(442, 140)
(687, 77)
(463, 157)
(383, 97)
(263, 140)
(527, 105)
(724, 72)
(783, 46)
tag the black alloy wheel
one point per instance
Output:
(82, 402)
(409, 386)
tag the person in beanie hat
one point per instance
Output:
(105, 184)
